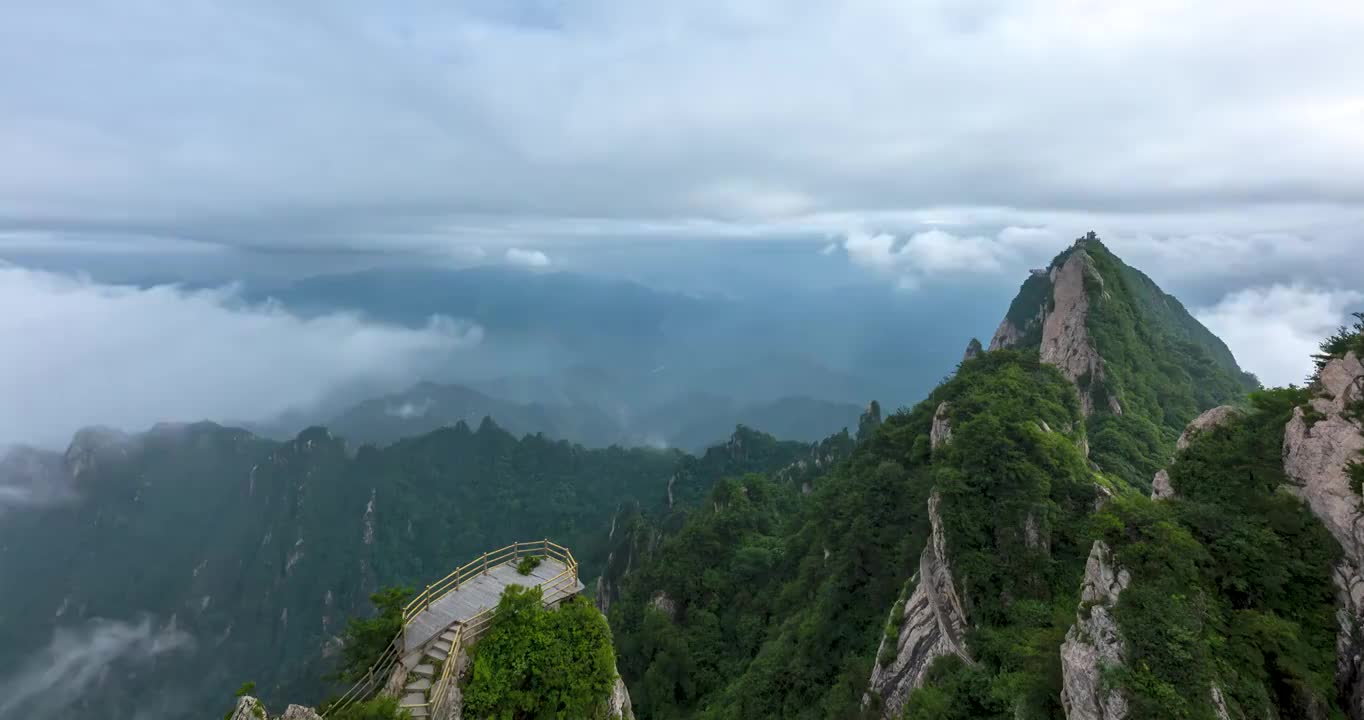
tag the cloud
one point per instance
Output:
(261, 123)
(30, 477)
(409, 409)
(80, 352)
(1274, 330)
(54, 680)
(937, 252)
(527, 258)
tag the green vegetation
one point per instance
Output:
(1346, 339)
(534, 663)
(1163, 366)
(366, 639)
(228, 531)
(380, 708)
(780, 598)
(1231, 580)
(528, 564)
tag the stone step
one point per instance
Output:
(425, 669)
(437, 653)
(441, 645)
(419, 712)
(449, 636)
(412, 700)
(421, 685)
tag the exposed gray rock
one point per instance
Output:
(1316, 460)
(1160, 486)
(298, 712)
(1006, 336)
(1161, 489)
(1066, 343)
(661, 602)
(973, 350)
(1094, 642)
(249, 708)
(941, 431)
(1208, 420)
(1032, 535)
(932, 625)
(618, 706)
(1219, 703)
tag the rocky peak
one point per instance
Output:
(869, 421)
(91, 444)
(973, 350)
(249, 708)
(1204, 422)
(1066, 343)
(1094, 642)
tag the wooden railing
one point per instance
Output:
(562, 585)
(509, 555)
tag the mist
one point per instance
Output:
(53, 680)
(83, 352)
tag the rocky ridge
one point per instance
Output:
(1321, 442)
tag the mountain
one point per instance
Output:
(691, 422)
(992, 552)
(247, 555)
(429, 406)
(1145, 367)
(1101, 517)
(193, 557)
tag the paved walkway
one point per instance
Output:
(476, 595)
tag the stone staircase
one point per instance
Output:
(423, 670)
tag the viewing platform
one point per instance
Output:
(425, 659)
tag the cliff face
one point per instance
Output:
(1320, 444)
(249, 708)
(1094, 642)
(1066, 342)
(932, 624)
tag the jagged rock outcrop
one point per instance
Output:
(1006, 335)
(1160, 486)
(249, 708)
(1161, 489)
(618, 704)
(973, 350)
(1319, 444)
(932, 625)
(941, 431)
(1094, 642)
(869, 421)
(1208, 420)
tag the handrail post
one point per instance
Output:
(516, 550)
(485, 563)
(428, 597)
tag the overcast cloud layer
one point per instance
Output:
(324, 122)
(1215, 145)
(83, 353)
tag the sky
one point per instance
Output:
(919, 144)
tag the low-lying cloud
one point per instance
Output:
(527, 258)
(912, 257)
(1273, 331)
(32, 478)
(78, 352)
(55, 679)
